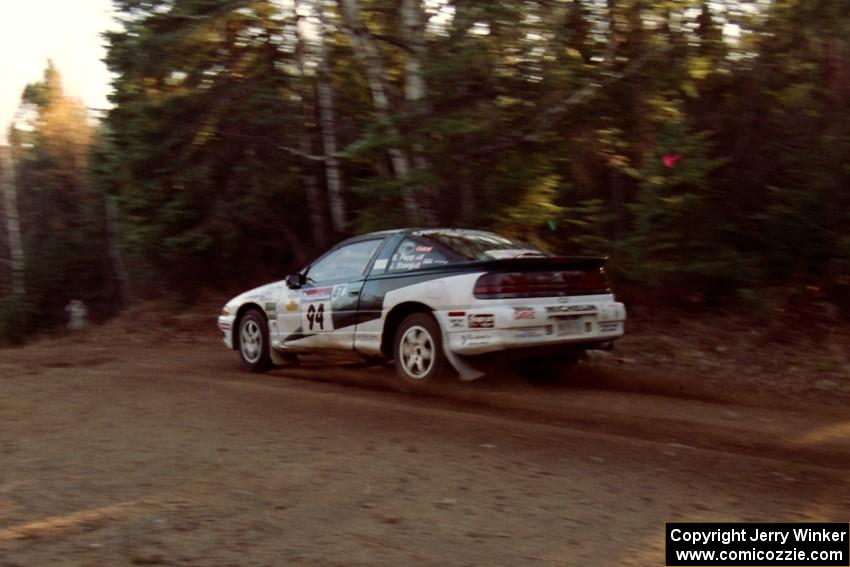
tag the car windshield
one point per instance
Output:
(478, 245)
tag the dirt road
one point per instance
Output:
(167, 453)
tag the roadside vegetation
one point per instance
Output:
(703, 146)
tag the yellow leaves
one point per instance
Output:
(58, 131)
(618, 161)
(800, 67)
(507, 101)
(506, 71)
(699, 68)
(573, 53)
(664, 109)
(203, 135)
(66, 133)
(612, 148)
(799, 95)
(151, 87)
(537, 203)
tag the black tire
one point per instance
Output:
(420, 361)
(253, 341)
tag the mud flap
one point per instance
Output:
(283, 358)
(277, 358)
(466, 371)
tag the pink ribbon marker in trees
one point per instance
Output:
(670, 160)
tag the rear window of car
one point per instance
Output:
(478, 245)
(429, 248)
(414, 253)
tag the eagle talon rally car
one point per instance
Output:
(430, 300)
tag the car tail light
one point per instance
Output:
(507, 285)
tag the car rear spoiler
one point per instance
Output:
(540, 263)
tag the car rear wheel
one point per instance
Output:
(254, 342)
(418, 350)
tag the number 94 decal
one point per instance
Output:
(318, 309)
(316, 317)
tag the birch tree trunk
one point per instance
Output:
(366, 52)
(415, 88)
(315, 205)
(462, 22)
(314, 195)
(327, 123)
(13, 222)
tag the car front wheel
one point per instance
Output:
(254, 342)
(418, 350)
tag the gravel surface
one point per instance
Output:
(118, 450)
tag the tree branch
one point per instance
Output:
(547, 116)
(344, 154)
(363, 30)
(588, 91)
(304, 155)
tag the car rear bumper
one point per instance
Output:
(491, 329)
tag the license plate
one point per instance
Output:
(570, 326)
(609, 327)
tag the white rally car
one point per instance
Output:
(428, 299)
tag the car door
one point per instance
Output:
(286, 325)
(395, 274)
(329, 298)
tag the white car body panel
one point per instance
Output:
(303, 320)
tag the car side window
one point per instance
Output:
(346, 263)
(413, 254)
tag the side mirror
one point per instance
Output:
(295, 281)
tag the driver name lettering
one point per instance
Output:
(317, 294)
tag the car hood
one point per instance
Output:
(261, 294)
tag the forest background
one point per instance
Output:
(703, 145)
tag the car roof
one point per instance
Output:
(424, 231)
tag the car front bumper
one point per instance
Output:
(225, 325)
